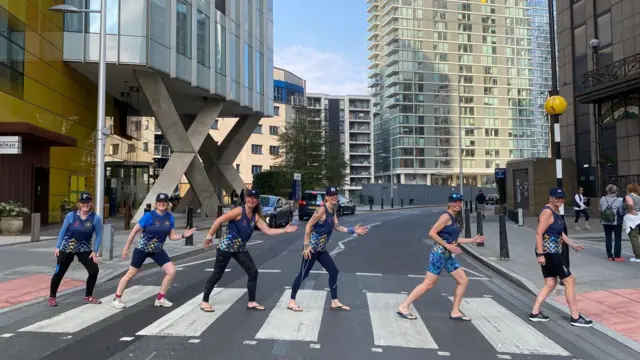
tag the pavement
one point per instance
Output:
(376, 272)
(608, 292)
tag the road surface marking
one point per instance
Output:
(504, 357)
(126, 338)
(389, 329)
(416, 276)
(506, 332)
(89, 314)
(318, 272)
(253, 242)
(314, 346)
(341, 247)
(150, 356)
(66, 337)
(6, 335)
(376, 349)
(269, 271)
(212, 270)
(444, 353)
(249, 342)
(179, 268)
(369, 274)
(488, 296)
(189, 320)
(477, 278)
(284, 324)
(474, 272)
(194, 341)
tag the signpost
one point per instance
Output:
(10, 145)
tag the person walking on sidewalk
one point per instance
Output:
(74, 240)
(580, 208)
(156, 226)
(241, 220)
(612, 210)
(446, 234)
(316, 237)
(548, 249)
(481, 199)
(631, 222)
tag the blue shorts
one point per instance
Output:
(139, 256)
(442, 259)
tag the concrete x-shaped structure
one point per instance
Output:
(187, 138)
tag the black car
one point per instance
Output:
(311, 200)
(276, 210)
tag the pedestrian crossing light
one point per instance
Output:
(555, 105)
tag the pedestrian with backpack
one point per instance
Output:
(611, 214)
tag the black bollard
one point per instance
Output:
(402, 202)
(188, 241)
(219, 232)
(479, 230)
(381, 203)
(470, 206)
(371, 206)
(467, 223)
(392, 203)
(504, 244)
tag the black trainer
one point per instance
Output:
(581, 321)
(538, 317)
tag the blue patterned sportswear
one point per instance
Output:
(238, 233)
(155, 230)
(552, 237)
(441, 258)
(76, 233)
(321, 231)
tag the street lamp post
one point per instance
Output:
(460, 135)
(101, 130)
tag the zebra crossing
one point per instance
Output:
(505, 331)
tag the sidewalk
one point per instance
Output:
(608, 292)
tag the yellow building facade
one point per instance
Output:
(50, 106)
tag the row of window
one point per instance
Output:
(254, 169)
(257, 149)
(11, 54)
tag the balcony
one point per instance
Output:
(360, 139)
(360, 173)
(161, 151)
(611, 80)
(359, 128)
(359, 149)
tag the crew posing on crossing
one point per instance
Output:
(74, 240)
(446, 234)
(548, 250)
(241, 222)
(156, 226)
(317, 235)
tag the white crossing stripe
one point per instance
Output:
(389, 329)
(285, 324)
(269, 270)
(89, 314)
(506, 332)
(189, 320)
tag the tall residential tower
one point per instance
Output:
(437, 63)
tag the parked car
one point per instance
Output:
(311, 200)
(276, 210)
(492, 199)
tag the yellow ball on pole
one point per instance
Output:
(555, 105)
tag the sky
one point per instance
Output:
(324, 42)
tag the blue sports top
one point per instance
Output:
(321, 231)
(552, 237)
(238, 233)
(155, 229)
(449, 233)
(76, 233)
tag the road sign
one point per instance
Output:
(10, 145)
(500, 173)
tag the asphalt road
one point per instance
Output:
(376, 271)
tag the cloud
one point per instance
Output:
(325, 72)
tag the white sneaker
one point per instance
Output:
(633, 259)
(164, 302)
(118, 304)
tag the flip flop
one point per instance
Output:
(256, 308)
(341, 307)
(408, 316)
(462, 317)
(294, 308)
(207, 310)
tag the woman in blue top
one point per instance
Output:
(241, 222)
(316, 237)
(156, 227)
(75, 240)
(549, 237)
(446, 234)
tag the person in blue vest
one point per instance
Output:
(74, 240)
(241, 220)
(317, 235)
(156, 226)
(446, 234)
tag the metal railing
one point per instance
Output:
(612, 72)
(162, 151)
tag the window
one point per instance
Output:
(604, 29)
(259, 64)
(256, 149)
(11, 54)
(183, 29)
(258, 129)
(221, 6)
(215, 125)
(276, 111)
(248, 66)
(145, 146)
(221, 48)
(274, 150)
(256, 169)
(203, 39)
(93, 19)
(238, 167)
(273, 130)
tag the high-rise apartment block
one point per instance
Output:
(446, 73)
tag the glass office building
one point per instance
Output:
(438, 64)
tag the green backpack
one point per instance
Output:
(608, 215)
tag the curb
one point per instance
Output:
(533, 289)
(403, 208)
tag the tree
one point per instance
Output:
(305, 148)
(273, 182)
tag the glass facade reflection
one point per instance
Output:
(434, 62)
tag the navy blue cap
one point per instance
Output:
(162, 197)
(85, 197)
(455, 197)
(557, 193)
(331, 191)
(253, 193)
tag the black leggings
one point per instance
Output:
(64, 261)
(583, 211)
(222, 260)
(325, 259)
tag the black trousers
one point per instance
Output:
(64, 261)
(222, 260)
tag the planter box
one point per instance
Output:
(11, 225)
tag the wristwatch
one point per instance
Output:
(539, 254)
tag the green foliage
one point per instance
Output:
(273, 182)
(12, 209)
